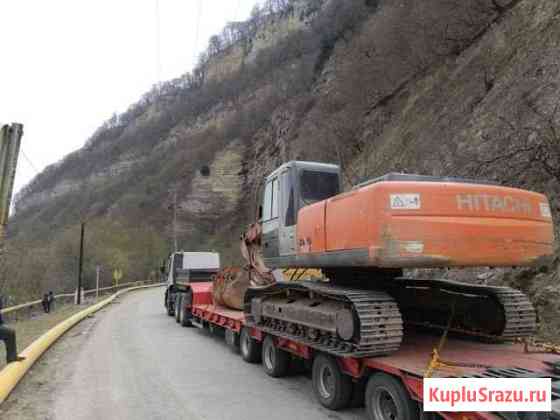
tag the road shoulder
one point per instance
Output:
(34, 397)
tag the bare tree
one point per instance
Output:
(521, 148)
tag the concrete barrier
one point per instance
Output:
(14, 372)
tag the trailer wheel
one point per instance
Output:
(250, 348)
(332, 387)
(232, 340)
(178, 306)
(359, 394)
(276, 361)
(388, 399)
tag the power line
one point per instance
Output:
(29, 161)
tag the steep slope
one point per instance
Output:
(448, 87)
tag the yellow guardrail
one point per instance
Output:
(62, 295)
(14, 372)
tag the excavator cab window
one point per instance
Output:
(275, 196)
(287, 210)
(317, 186)
(267, 202)
(270, 201)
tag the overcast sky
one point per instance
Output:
(67, 66)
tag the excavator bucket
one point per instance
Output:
(229, 287)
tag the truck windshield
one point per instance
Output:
(318, 186)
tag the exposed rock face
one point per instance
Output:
(39, 198)
(215, 190)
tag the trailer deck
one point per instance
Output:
(471, 357)
(459, 357)
(416, 351)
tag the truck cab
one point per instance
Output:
(184, 268)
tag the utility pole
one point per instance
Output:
(175, 219)
(79, 297)
(10, 142)
(174, 207)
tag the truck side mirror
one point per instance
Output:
(260, 213)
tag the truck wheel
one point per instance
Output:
(232, 340)
(186, 315)
(168, 305)
(388, 399)
(332, 387)
(275, 360)
(359, 394)
(249, 347)
(178, 306)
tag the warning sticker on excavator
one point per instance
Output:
(545, 210)
(405, 201)
(412, 247)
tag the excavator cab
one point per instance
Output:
(293, 185)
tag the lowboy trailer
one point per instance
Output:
(391, 386)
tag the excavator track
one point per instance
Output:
(316, 313)
(521, 317)
(376, 329)
(496, 313)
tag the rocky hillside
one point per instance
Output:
(446, 87)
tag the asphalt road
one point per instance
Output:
(137, 363)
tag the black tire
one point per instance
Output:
(216, 330)
(331, 386)
(358, 394)
(388, 399)
(232, 340)
(428, 415)
(249, 347)
(177, 306)
(168, 305)
(185, 315)
(276, 362)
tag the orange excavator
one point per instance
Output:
(363, 239)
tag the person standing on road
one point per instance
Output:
(45, 303)
(8, 336)
(50, 300)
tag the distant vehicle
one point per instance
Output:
(183, 269)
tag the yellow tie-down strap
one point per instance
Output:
(295, 274)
